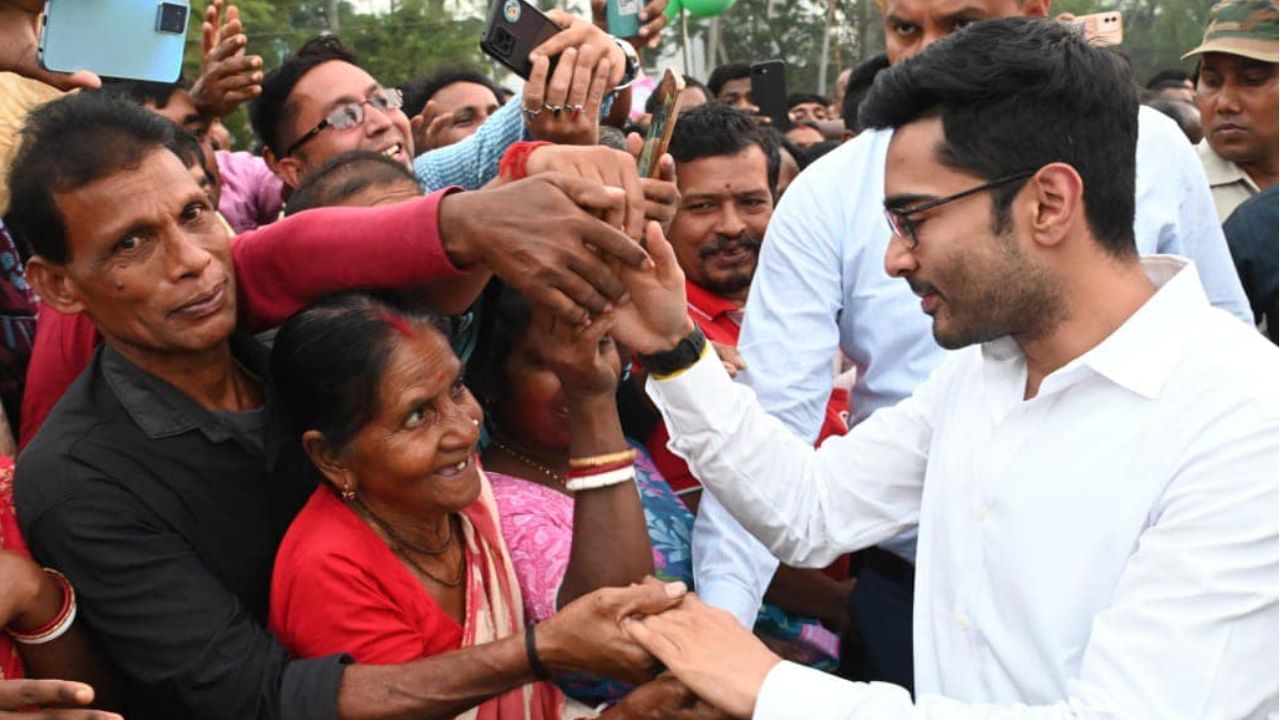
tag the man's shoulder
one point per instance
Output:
(838, 189)
(1228, 370)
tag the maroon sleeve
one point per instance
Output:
(285, 265)
(63, 348)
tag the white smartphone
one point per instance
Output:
(127, 39)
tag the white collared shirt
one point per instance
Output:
(821, 286)
(1109, 548)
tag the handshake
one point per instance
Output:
(715, 666)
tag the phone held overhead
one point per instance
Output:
(126, 39)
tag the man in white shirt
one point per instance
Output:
(1093, 475)
(821, 286)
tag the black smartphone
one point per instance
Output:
(514, 29)
(769, 92)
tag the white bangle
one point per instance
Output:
(604, 479)
(54, 633)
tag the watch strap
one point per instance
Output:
(681, 357)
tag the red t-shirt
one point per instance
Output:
(721, 321)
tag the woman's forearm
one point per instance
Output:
(610, 537)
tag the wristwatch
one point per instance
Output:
(632, 70)
(682, 356)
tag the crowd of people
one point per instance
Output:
(951, 399)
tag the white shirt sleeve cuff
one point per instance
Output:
(732, 598)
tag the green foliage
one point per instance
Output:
(414, 38)
(1157, 32)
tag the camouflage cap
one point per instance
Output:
(1248, 28)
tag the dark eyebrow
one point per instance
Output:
(903, 201)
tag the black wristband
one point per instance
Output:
(683, 355)
(531, 652)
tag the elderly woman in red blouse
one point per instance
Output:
(399, 555)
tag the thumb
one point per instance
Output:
(590, 195)
(649, 598)
(635, 145)
(667, 168)
(81, 79)
(664, 256)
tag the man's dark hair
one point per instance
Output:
(272, 110)
(1171, 78)
(187, 148)
(418, 92)
(145, 92)
(715, 129)
(655, 97)
(1179, 111)
(860, 81)
(344, 175)
(725, 73)
(66, 145)
(1016, 94)
(817, 151)
(798, 98)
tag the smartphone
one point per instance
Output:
(623, 17)
(127, 39)
(1101, 28)
(769, 92)
(514, 29)
(663, 123)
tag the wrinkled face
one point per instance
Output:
(328, 86)
(470, 103)
(1238, 106)
(974, 279)
(808, 112)
(417, 455)
(725, 207)
(737, 94)
(150, 263)
(912, 25)
(534, 410)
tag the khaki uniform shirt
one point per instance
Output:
(1229, 184)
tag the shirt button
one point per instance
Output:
(962, 621)
(982, 515)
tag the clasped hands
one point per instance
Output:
(716, 666)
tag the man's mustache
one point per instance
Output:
(746, 240)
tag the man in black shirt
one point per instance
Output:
(146, 485)
(1252, 234)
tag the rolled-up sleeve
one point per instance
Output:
(473, 161)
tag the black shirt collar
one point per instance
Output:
(161, 409)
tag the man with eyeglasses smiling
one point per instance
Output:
(1092, 472)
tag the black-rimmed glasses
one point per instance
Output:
(901, 224)
(351, 114)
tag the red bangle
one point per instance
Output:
(515, 161)
(68, 600)
(598, 469)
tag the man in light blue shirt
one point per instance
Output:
(822, 288)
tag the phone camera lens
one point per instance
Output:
(171, 18)
(503, 41)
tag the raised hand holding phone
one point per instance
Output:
(20, 47)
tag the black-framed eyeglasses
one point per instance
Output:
(901, 224)
(351, 114)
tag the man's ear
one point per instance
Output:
(331, 463)
(288, 169)
(1058, 194)
(54, 286)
